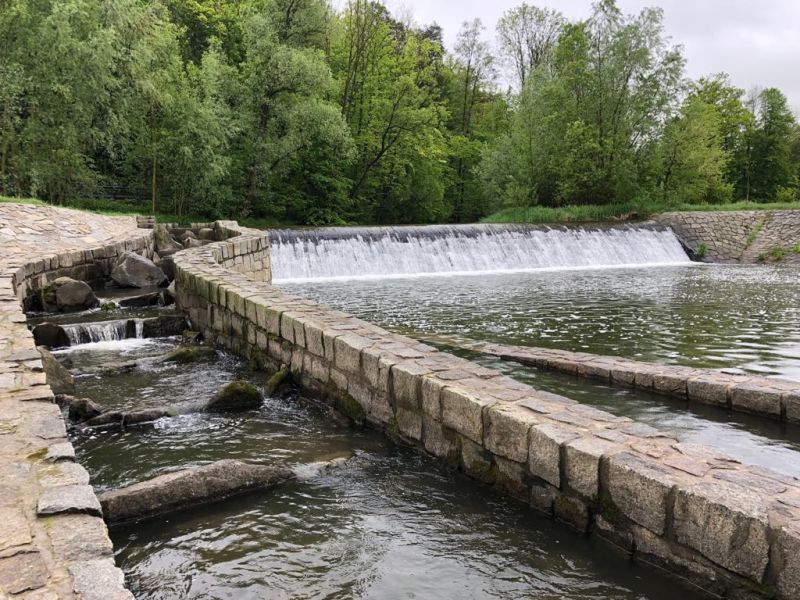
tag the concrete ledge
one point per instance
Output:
(686, 508)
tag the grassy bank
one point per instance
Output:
(617, 212)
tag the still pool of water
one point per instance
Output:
(390, 524)
(717, 316)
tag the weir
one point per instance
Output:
(450, 249)
(104, 331)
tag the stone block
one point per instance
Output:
(22, 572)
(438, 441)
(707, 390)
(512, 477)
(348, 352)
(407, 384)
(431, 397)
(582, 464)
(756, 399)
(542, 497)
(572, 511)
(463, 413)
(14, 529)
(476, 461)
(670, 382)
(313, 338)
(68, 499)
(80, 537)
(787, 545)
(98, 579)
(790, 401)
(544, 451)
(726, 523)
(409, 423)
(640, 489)
(379, 410)
(507, 428)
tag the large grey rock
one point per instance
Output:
(68, 295)
(80, 409)
(167, 264)
(165, 244)
(58, 378)
(148, 299)
(133, 270)
(235, 396)
(50, 335)
(189, 487)
(206, 233)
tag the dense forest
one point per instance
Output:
(298, 112)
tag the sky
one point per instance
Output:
(757, 42)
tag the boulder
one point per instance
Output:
(68, 295)
(187, 235)
(189, 487)
(194, 243)
(235, 396)
(136, 271)
(167, 265)
(206, 233)
(190, 354)
(149, 299)
(80, 409)
(58, 378)
(165, 244)
(168, 295)
(50, 335)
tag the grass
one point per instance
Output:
(618, 212)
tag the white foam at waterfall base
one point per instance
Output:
(102, 331)
(404, 252)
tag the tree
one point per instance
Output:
(692, 157)
(772, 169)
(527, 37)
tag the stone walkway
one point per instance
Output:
(772, 398)
(53, 541)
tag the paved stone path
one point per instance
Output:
(753, 394)
(53, 541)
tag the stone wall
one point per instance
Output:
(738, 236)
(53, 541)
(773, 398)
(732, 529)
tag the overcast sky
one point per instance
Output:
(757, 42)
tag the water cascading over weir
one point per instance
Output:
(327, 253)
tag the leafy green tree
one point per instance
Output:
(692, 157)
(773, 168)
(528, 36)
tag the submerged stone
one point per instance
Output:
(190, 354)
(235, 396)
(190, 487)
(80, 409)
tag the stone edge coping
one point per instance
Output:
(688, 506)
(752, 394)
(52, 535)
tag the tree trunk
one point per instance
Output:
(153, 186)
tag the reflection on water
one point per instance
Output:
(390, 524)
(716, 316)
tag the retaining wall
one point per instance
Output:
(732, 529)
(53, 541)
(738, 236)
(773, 398)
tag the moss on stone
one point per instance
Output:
(235, 396)
(108, 306)
(190, 354)
(277, 380)
(38, 455)
(350, 407)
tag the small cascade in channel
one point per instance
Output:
(104, 331)
(403, 251)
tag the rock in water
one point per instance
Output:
(58, 378)
(50, 335)
(235, 396)
(189, 487)
(165, 244)
(189, 354)
(67, 295)
(80, 409)
(133, 270)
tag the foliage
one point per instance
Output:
(291, 111)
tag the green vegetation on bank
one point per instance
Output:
(292, 111)
(618, 212)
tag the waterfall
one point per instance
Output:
(104, 331)
(325, 253)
